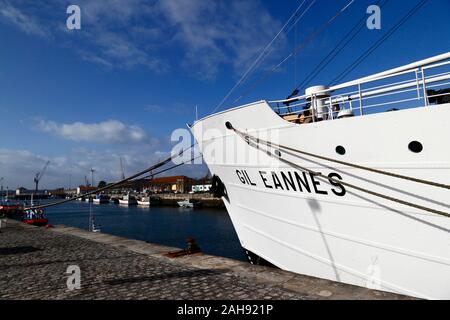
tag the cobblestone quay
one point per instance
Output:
(34, 263)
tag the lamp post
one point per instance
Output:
(92, 177)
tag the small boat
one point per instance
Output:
(101, 198)
(88, 199)
(11, 209)
(81, 199)
(189, 203)
(35, 217)
(128, 200)
(144, 201)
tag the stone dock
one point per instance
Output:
(34, 263)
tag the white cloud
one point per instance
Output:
(26, 23)
(110, 131)
(220, 32)
(18, 167)
(118, 34)
(201, 35)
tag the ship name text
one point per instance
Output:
(294, 181)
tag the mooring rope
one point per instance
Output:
(118, 183)
(357, 166)
(151, 175)
(246, 137)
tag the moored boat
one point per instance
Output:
(143, 201)
(338, 184)
(11, 209)
(189, 203)
(35, 217)
(100, 199)
(128, 200)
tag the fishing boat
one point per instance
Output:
(128, 200)
(35, 217)
(11, 208)
(100, 199)
(143, 201)
(189, 203)
(347, 182)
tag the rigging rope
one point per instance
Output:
(171, 168)
(118, 183)
(246, 137)
(296, 50)
(357, 28)
(395, 175)
(375, 46)
(262, 55)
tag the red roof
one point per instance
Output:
(85, 188)
(173, 179)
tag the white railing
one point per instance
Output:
(409, 86)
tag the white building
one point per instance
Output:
(201, 188)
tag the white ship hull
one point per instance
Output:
(185, 204)
(331, 231)
(143, 203)
(100, 201)
(127, 202)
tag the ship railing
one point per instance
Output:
(397, 89)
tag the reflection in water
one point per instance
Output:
(212, 228)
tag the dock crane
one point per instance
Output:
(39, 175)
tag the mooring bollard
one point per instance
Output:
(192, 246)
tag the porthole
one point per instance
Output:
(278, 153)
(415, 146)
(340, 150)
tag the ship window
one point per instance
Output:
(278, 153)
(415, 146)
(340, 150)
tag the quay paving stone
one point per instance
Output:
(33, 264)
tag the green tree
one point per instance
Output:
(102, 184)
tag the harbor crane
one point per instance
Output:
(39, 175)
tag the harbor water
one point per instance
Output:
(170, 226)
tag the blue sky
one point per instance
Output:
(136, 70)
